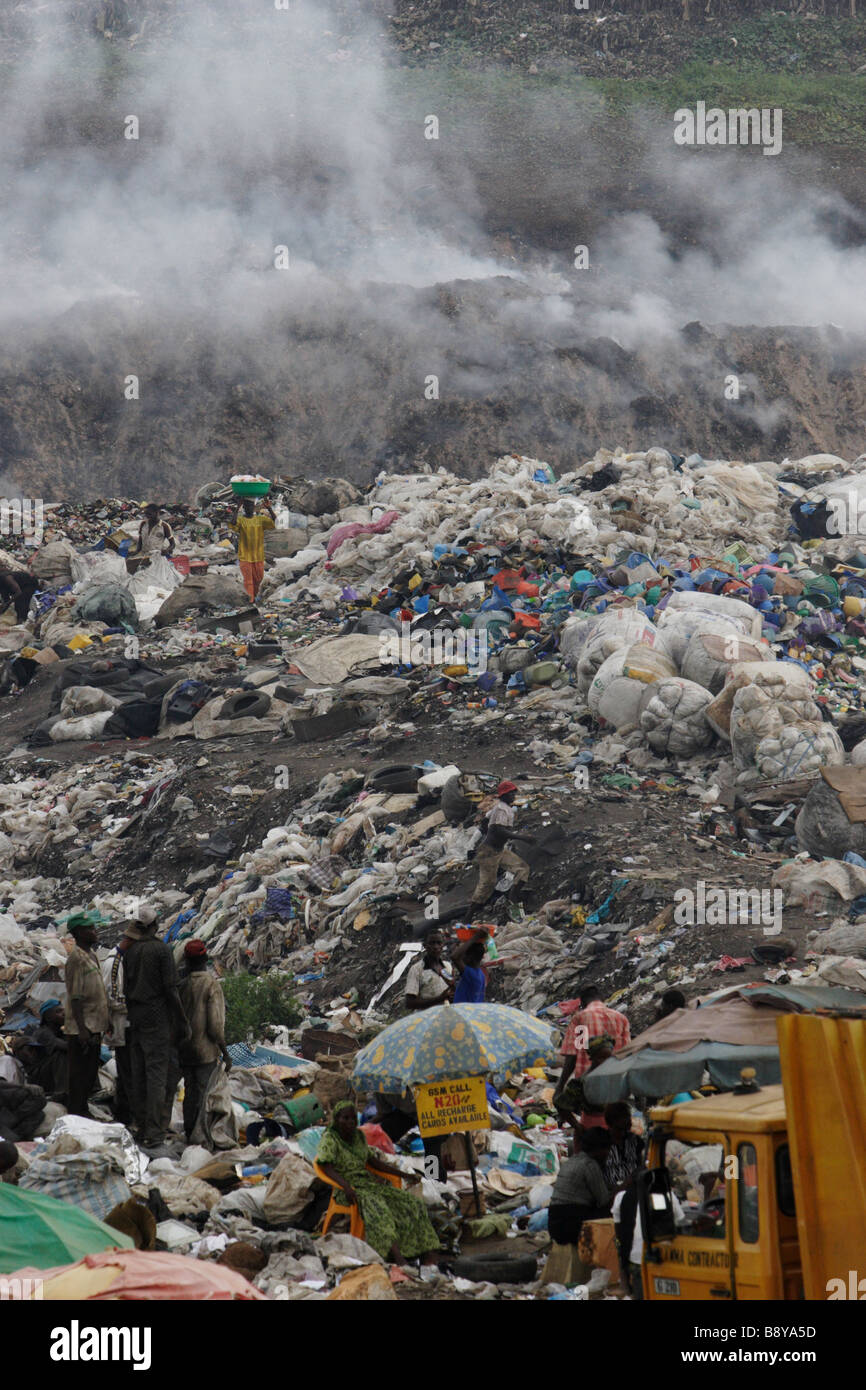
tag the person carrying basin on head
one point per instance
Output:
(251, 527)
(492, 854)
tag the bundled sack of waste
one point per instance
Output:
(690, 599)
(106, 602)
(618, 628)
(672, 717)
(677, 628)
(618, 688)
(574, 635)
(758, 715)
(780, 680)
(832, 819)
(799, 750)
(52, 564)
(709, 657)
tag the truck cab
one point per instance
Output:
(737, 1236)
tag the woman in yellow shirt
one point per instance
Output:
(251, 527)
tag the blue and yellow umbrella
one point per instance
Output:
(451, 1041)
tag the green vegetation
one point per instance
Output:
(817, 109)
(253, 1001)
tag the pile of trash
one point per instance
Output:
(646, 626)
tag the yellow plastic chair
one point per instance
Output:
(335, 1208)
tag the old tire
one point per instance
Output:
(497, 1269)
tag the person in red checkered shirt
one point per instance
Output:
(596, 1018)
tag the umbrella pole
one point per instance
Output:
(470, 1154)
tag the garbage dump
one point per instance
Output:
(566, 749)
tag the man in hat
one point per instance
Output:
(157, 1024)
(86, 1016)
(203, 1003)
(492, 854)
(251, 527)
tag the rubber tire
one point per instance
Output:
(401, 778)
(497, 1269)
(245, 704)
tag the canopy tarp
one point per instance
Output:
(42, 1232)
(654, 1073)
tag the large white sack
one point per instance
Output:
(98, 565)
(709, 656)
(678, 626)
(85, 699)
(715, 603)
(672, 717)
(85, 726)
(616, 692)
(756, 716)
(619, 628)
(51, 564)
(798, 750)
(575, 634)
(160, 573)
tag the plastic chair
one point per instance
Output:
(335, 1208)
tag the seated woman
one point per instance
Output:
(396, 1223)
(580, 1192)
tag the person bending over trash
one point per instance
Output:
(492, 853)
(251, 527)
(395, 1223)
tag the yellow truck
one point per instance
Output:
(788, 1217)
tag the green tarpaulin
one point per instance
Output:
(39, 1232)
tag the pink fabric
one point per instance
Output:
(377, 1138)
(155, 1275)
(356, 528)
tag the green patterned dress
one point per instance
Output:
(389, 1214)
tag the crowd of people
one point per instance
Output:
(158, 1027)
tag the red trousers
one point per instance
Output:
(253, 572)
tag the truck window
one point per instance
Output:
(785, 1181)
(747, 1193)
(697, 1178)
